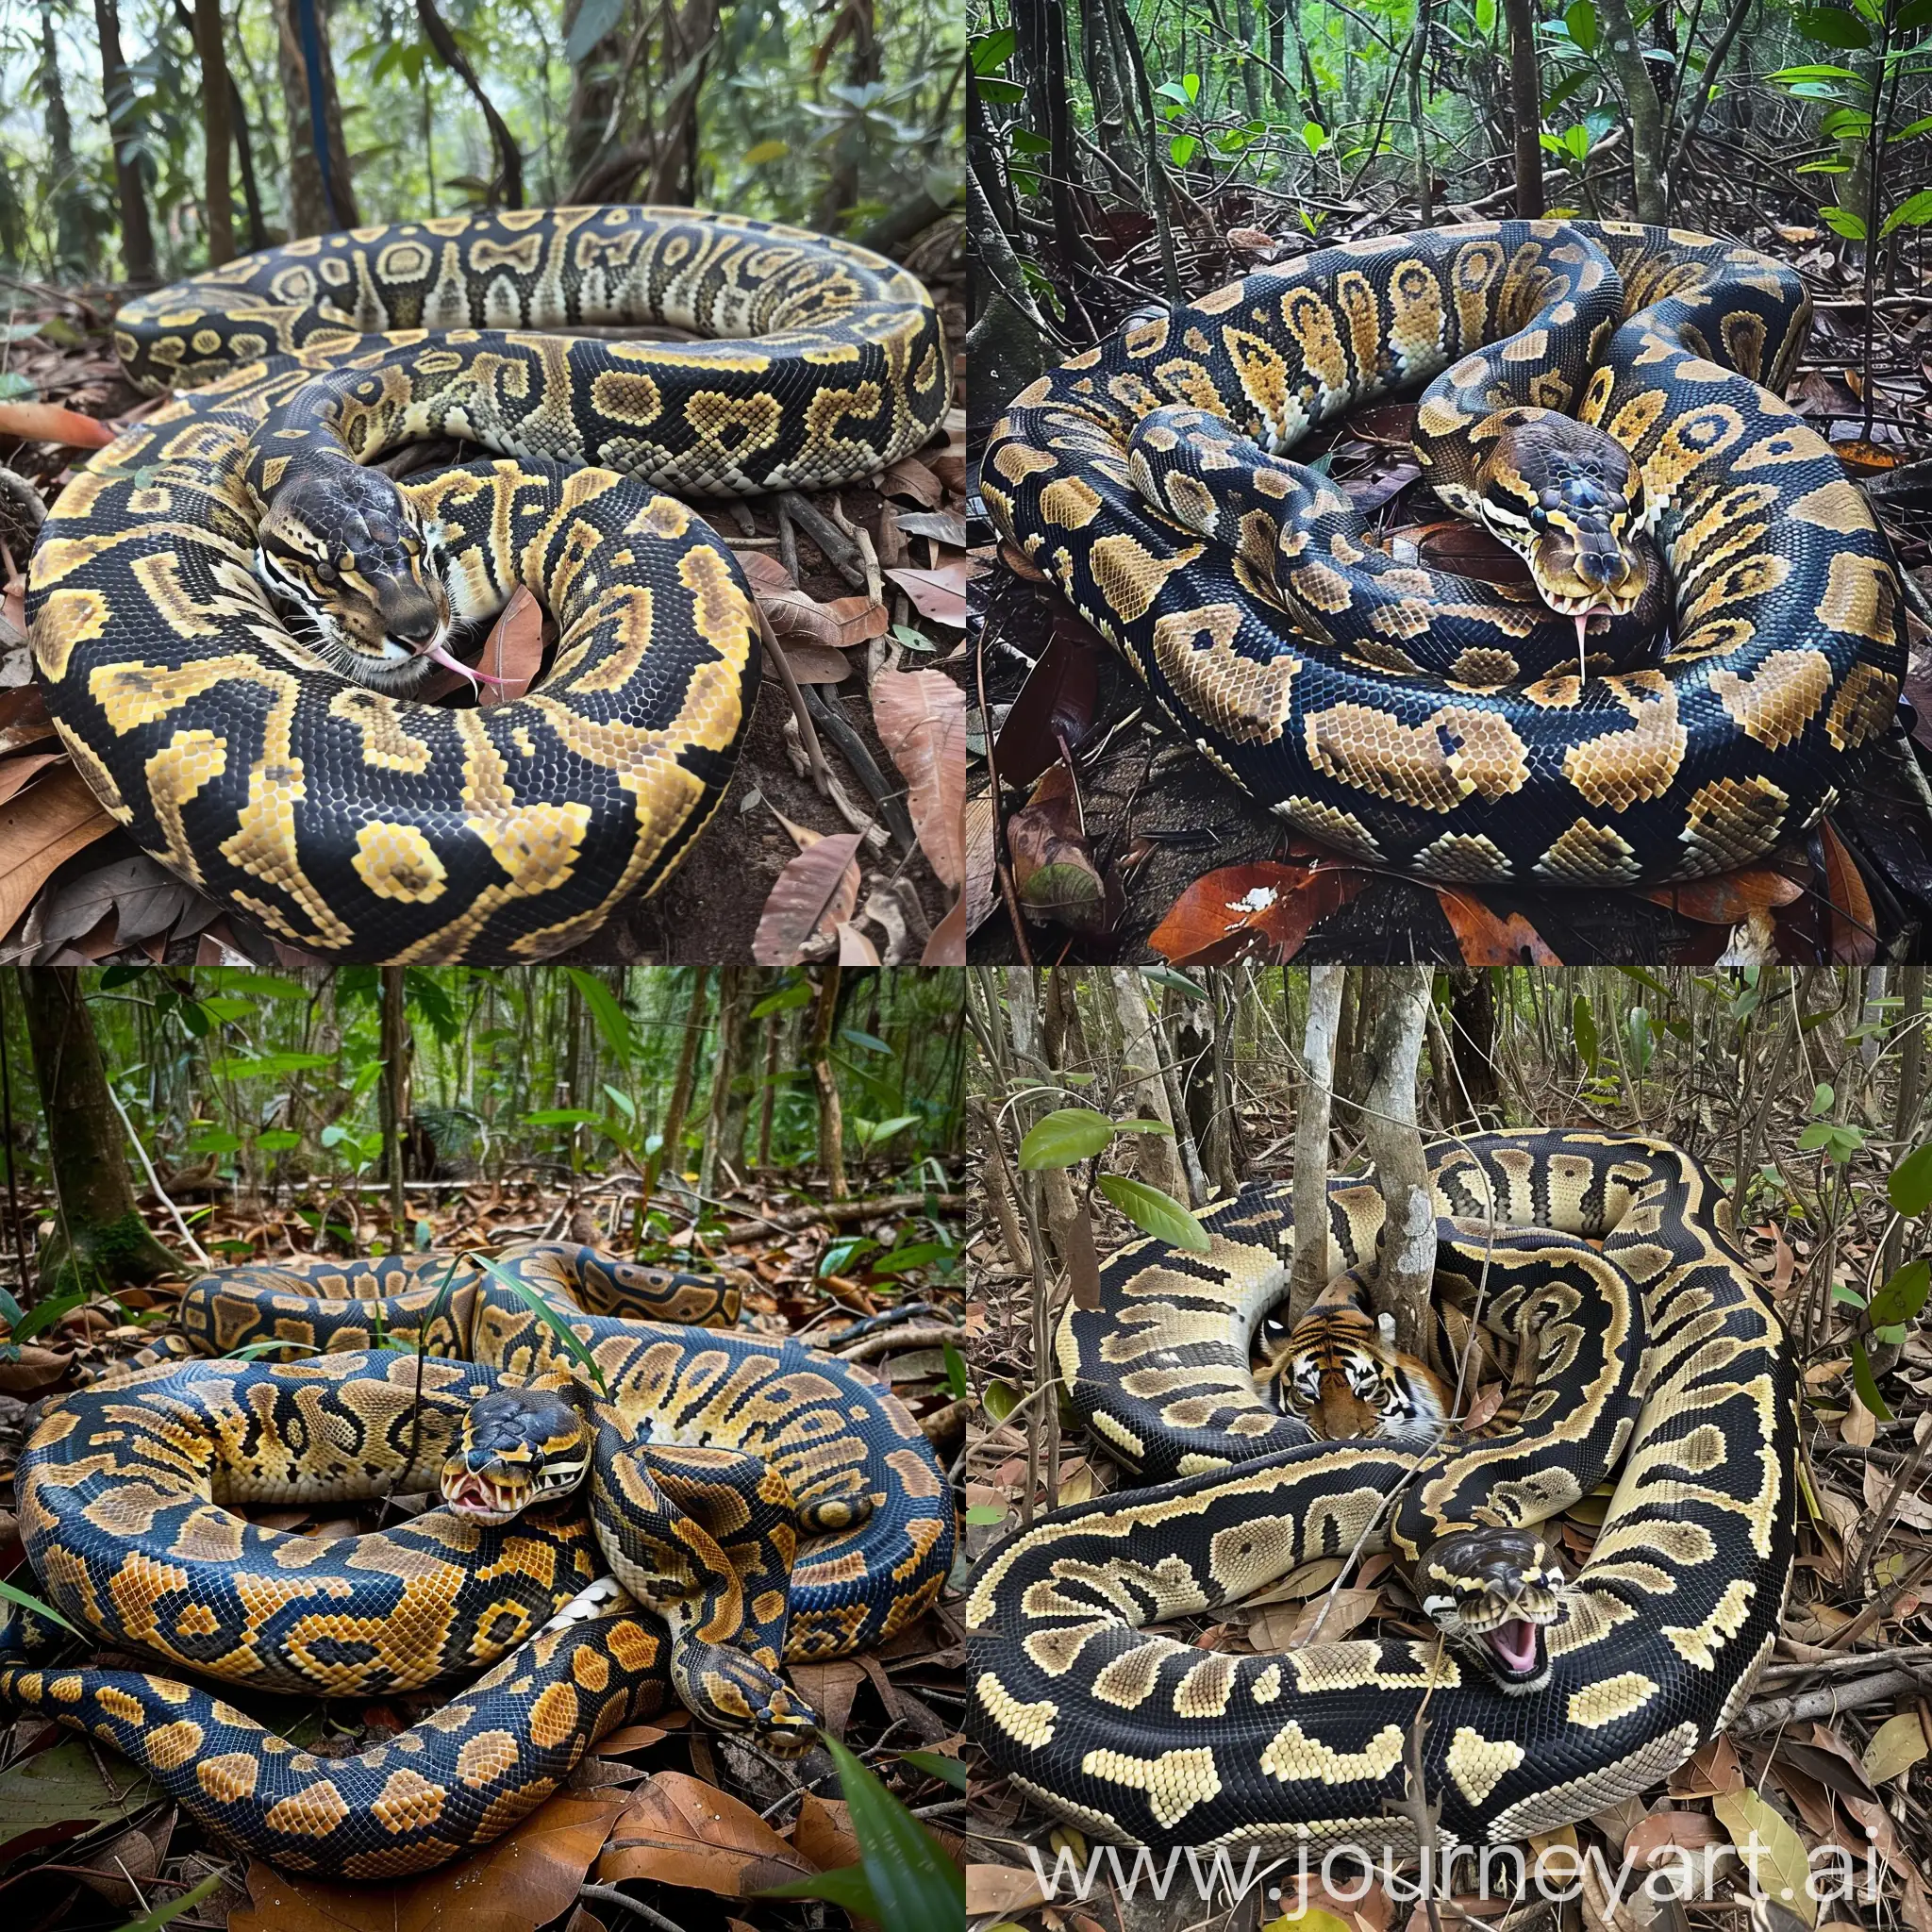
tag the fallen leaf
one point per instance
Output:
(947, 944)
(921, 716)
(1329, 1619)
(60, 1792)
(1487, 940)
(1691, 1830)
(1240, 908)
(1726, 899)
(524, 1880)
(143, 898)
(910, 478)
(797, 616)
(981, 869)
(855, 949)
(944, 527)
(15, 772)
(817, 892)
(1054, 871)
(1003, 1889)
(940, 594)
(1896, 1745)
(1055, 706)
(49, 423)
(810, 663)
(1781, 1866)
(23, 719)
(1854, 925)
(40, 827)
(514, 649)
(678, 1830)
(1857, 454)
(829, 1689)
(823, 1833)
(1251, 240)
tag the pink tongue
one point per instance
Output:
(1515, 1643)
(437, 654)
(1582, 623)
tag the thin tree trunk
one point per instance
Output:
(100, 1241)
(724, 1118)
(1911, 1072)
(1525, 107)
(137, 232)
(1308, 1272)
(831, 1119)
(1154, 1157)
(72, 240)
(507, 190)
(394, 1102)
(768, 1099)
(316, 207)
(1405, 1267)
(1648, 162)
(672, 1152)
(863, 70)
(217, 195)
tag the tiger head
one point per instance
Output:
(1340, 1370)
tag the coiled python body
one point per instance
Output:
(1140, 1738)
(122, 1494)
(1788, 642)
(273, 752)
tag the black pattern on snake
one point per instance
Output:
(233, 609)
(1786, 643)
(1652, 1647)
(714, 1453)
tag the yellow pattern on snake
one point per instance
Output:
(708, 1454)
(234, 610)
(1576, 1695)
(1608, 400)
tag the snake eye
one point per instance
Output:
(1539, 518)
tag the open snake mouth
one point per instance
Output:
(499, 1493)
(1517, 1654)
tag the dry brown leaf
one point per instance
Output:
(940, 594)
(514, 651)
(797, 616)
(829, 1689)
(947, 944)
(679, 1830)
(811, 663)
(855, 949)
(15, 772)
(526, 1878)
(818, 892)
(910, 478)
(1329, 1619)
(920, 717)
(823, 1833)
(1003, 1889)
(43, 825)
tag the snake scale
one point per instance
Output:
(711, 1455)
(1139, 1737)
(1604, 398)
(235, 611)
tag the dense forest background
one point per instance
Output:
(844, 114)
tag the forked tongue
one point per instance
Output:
(437, 654)
(1515, 1643)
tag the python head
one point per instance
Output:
(1565, 496)
(1493, 1592)
(358, 578)
(518, 1447)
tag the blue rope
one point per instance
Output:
(318, 125)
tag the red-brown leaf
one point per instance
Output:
(1244, 909)
(920, 717)
(515, 648)
(1053, 873)
(1055, 704)
(1488, 941)
(947, 946)
(817, 892)
(45, 824)
(940, 594)
(1854, 925)
(1727, 899)
(681, 1831)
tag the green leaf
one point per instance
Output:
(992, 51)
(845, 1886)
(1822, 1097)
(595, 18)
(1866, 1383)
(956, 1384)
(913, 1880)
(162, 1915)
(886, 1130)
(1141, 1125)
(761, 152)
(549, 1317)
(918, 1255)
(1158, 1214)
(1580, 17)
(936, 1764)
(984, 1515)
(15, 1595)
(1582, 1031)
(1486, 18)
(44, 1313)
(1913, 212)
(1831, 26)
(562, 1117)
(1166, 976)
(278, 1139)
(602, 1002)
(1841, 221)
(1000, 1401)
(1182, 149)
(250, 1350)
(1912, 16)
(1065, 1137)
(799, 993)
(1002, 91)
(1314, 138)
(1903, 1296)
(1910, 1187)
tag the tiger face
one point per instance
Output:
(1340, 1370)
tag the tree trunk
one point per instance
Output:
(725, 1119)
(863, 70)
(1912, 1070)
(593, 86)
(395, 1103)
(507, 188)
(1624, 54)
(1405, 1267)
(73, 238)
(217, 196)
(831, 1120)
(1154, 1157)
(315, 207)
(100, 1241)
(137, 232)
(1525, 107)
(768, 1098)
(672, 1152)
(1309, 1269)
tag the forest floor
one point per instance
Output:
(690, 1821)
(1123, 819)
(76, 890)
(1860, 1611)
